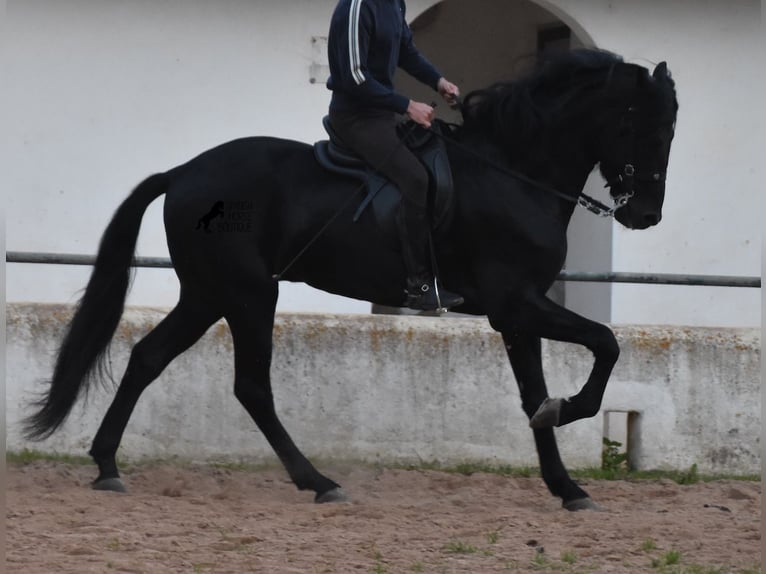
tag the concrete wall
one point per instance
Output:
(99, 93)
(395, 388)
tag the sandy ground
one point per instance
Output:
(203, 519)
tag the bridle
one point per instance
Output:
(626, 177)
(582, 199)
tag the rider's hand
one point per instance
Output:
(420, 113)
(448, 91)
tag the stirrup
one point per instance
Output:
(427, 299)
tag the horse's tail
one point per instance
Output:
(82, 355)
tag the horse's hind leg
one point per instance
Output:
(526, 362)
(251, 324)
(183, 326)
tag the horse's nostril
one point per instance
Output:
(652, 218)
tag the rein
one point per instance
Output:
(582, 199)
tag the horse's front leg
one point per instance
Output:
(526, 362)
(541, 317)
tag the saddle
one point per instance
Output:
(382, 195)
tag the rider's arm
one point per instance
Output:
(348, 53)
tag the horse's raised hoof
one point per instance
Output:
(547, 414)
(333, 495)
(112, 484)
(583, 504)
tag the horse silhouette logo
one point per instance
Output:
(215, 211)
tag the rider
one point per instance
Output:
(368, 40)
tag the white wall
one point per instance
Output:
(98, 94)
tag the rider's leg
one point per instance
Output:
(373, 136)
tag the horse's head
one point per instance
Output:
(582, 107)
(635, 150)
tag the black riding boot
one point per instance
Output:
(422, 291)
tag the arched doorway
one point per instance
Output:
(477, 43)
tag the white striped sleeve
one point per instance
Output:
(353, 42)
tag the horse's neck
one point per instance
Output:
(563, 165)
(565, 155)
(562, 162)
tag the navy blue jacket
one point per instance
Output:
(368, 40)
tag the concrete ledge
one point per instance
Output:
(409, 389)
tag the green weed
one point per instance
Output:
(648, 545)
(27, 456)
(672, 557)
(612, 460)
(540, 561)
(689, 477)
(568, 557)
(611, 467)
(469, 468)
(458, 547)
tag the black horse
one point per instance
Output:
(502, 248)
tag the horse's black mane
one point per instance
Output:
(516, 112)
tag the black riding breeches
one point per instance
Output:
(372, 135)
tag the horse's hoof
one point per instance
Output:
(113, 484)
(583, 504)
(333, 495)
(547, 414)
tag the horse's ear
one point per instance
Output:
(660, 71)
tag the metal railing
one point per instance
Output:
(606, 277)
